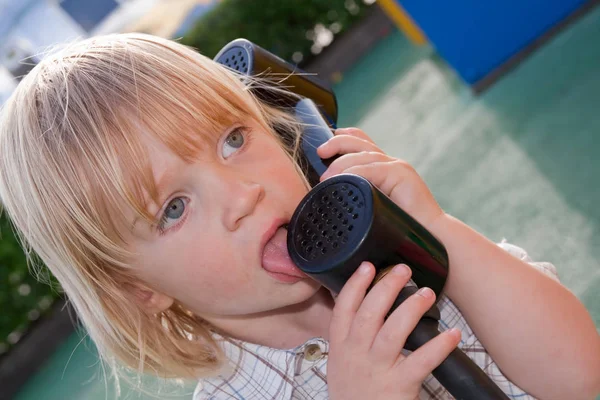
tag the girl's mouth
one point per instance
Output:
(276, 259)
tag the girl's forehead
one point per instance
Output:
(164, 162)
(163, 156)
(188, 141)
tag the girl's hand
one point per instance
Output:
(365, 359)
(395, 178)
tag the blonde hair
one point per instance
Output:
(73, 162)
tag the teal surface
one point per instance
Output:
(74, 373)
(519, 162)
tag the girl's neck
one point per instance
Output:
(286, 328)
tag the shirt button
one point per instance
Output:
(312, 352)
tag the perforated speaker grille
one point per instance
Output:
(328, 222)
(236, 58)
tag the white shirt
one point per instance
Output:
(263, 373)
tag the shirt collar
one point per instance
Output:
(283, 361)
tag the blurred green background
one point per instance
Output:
(23, 298)
(285, 28)
(518, 162)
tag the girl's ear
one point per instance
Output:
(150, 300)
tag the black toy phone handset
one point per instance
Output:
(346, 220)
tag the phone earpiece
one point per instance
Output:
(313, 102)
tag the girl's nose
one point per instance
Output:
(242, 199)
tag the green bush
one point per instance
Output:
(283, 27)
(23, 299)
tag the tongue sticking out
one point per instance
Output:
(276, 258)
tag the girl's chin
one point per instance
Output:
(318, 292)
(306, 290)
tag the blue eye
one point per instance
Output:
(234, 141)
(172, 214)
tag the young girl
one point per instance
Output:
(150, 181)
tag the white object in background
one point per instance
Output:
(127, 13)
(46, 24)
(7, 84)
(17, 56)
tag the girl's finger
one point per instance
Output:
(392, 336)
(371, 314)
(429, 356)
(401, 183)
(344, 144)
(353, 132)
(388, 176)
(349, 300)
(346, 161)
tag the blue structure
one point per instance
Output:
(476, 36)
(88, 14)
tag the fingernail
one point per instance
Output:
(455, 332)
(425, 292)
(363, 269)
(401, 270)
